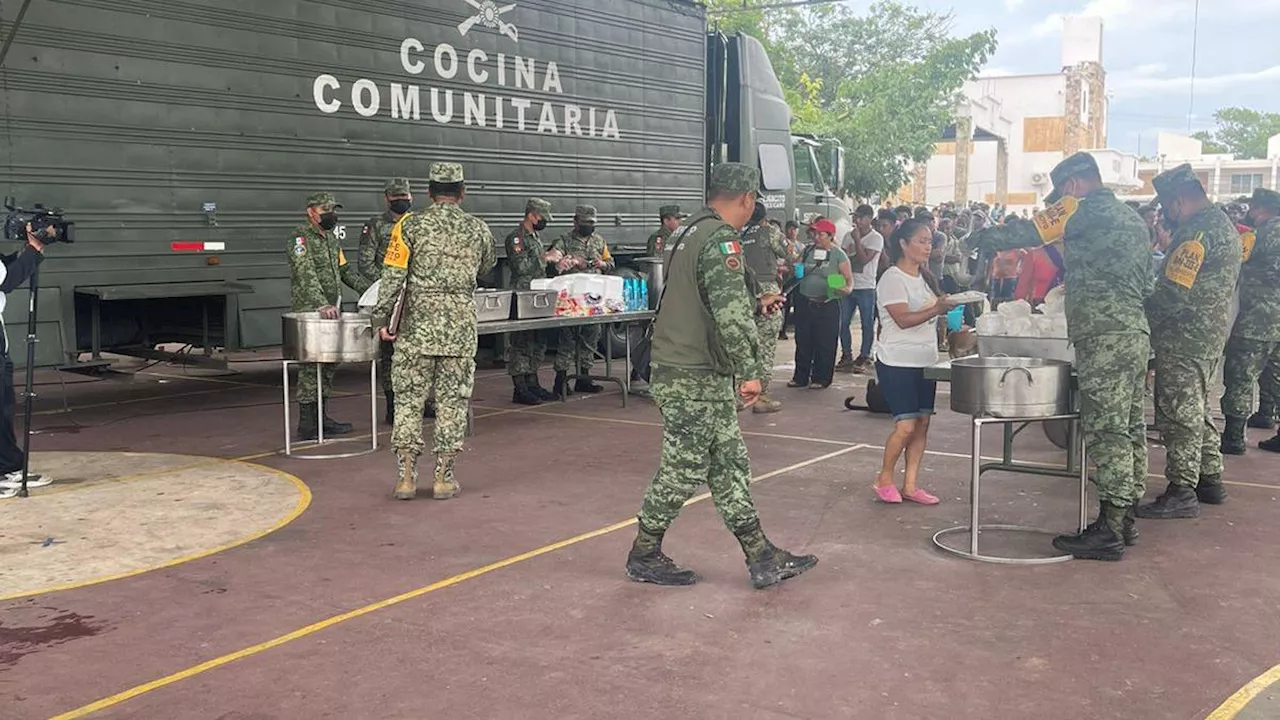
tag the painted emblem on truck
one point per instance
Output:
(489, 15)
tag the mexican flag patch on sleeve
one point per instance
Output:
(733, 247)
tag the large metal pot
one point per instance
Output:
(652, 268)
(310, 338)
(1010, 387)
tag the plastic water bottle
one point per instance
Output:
(629, 294)
(644, 294)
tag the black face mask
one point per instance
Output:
(1248, 221)
(540, 225)
(329, 220)
(586, 230)
(400, 207)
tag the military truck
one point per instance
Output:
(183, 136)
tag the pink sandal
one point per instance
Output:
(887, 493)
(921, 496)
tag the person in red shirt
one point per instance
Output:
(1004, 275)
(1041, 272)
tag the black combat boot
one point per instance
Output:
(1271, 445)
(585, 385)
(429, 410)
(333, 427)
(536, 388)
(390, 419)
(1131, 525)
(647, 563)
(1178, 501)
(1102, 540)
(522, 395)
(1233, 436)
(769, 565)
(1210, 490)
(308, 422)
(561, 388)
(1262, 420)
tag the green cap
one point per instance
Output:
(734, 177)
(1171, 181)
(322, 198)
(585, 213)
(1265, 198)
(667, 211)
(539, 206)
(444, 172)
(1081, 162)
(397, 186)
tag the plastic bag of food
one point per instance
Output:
(1021, 327)
(1014, 309)
(991, 325)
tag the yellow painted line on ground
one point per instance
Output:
(1246, 694)
(329, 622)
(304, 501)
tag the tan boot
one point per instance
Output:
(765, 404)
(407, 476)
(445, 486)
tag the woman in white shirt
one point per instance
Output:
(909, 310)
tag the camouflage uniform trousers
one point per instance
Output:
(307, 387)
(525, 352)
(1248, 362)
(767, 329)
(579, 341)
(1112, 371)
(386, 352)
(701, 444)
(1192, 443)
(415, 377)
(1269, 387)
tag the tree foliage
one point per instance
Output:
(1242, 132)
(885, 82)
(1208, 144)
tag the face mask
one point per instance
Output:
(400, 207)
(540, 225)
(586, 230)
(329, 220)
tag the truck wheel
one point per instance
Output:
(622, 335)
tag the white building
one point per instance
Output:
(1224, 177)
(1010, 131)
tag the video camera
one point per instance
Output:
(40, 218)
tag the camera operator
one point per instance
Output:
(17, 269)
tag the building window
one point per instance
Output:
(1244, 183)
(775, 167)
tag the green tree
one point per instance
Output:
(1209, 145)
(1243, 132)
(885, 83)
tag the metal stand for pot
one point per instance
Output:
(373, 413)
(1077, 467)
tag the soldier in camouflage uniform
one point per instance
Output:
(437, 254)
(317, 270)
(528, 262)
(1108, 278)
(583, 251)
(374, 238)
(706, 298)
(1255, 338)
(670, 216)
(1189, 313)
(763, 247)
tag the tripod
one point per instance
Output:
(29, 392)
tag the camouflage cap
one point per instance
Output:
(322, 198)
(734, 177)
(539, 206)
(397, 186)
(1073, 165)
(1264, 198)
(667, 211)
(1169, 182)
(444, 172)
(585, 213)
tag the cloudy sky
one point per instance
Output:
(1147, 55)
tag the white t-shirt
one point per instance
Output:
(911, 347)
(865, 279)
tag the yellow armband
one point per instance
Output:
(1247, 240)
(1051, 223)
(1183, 265)
(397, 252)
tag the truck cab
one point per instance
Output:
(813, 195)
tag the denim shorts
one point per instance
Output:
(906, 392)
